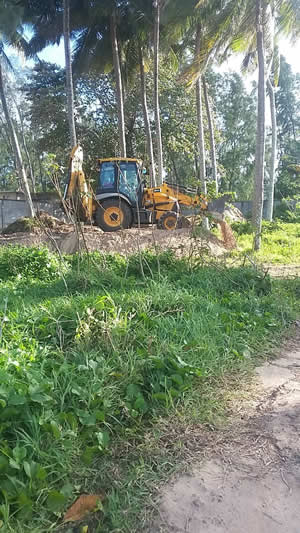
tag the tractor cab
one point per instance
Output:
(121, 178)
(120, 194)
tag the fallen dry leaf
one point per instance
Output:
(85, 504)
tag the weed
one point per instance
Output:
(280, 242)
(87, 365)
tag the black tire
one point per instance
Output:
(170, 221)
(120, 216)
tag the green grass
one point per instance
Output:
(280, 242)
(96, 356)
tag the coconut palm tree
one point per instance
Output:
(95, 28)
(69, 74)
(146, 116)
(11, 33)
(243, 26)
(209, 116)
(98, 47)
(157, 11)
(118, 79)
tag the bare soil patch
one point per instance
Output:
(248, 479)
(58, 235)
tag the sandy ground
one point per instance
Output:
(250, 482)
(125, 242)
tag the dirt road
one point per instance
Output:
(251, 481)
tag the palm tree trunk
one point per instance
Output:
(270, 192)
(69, 76)
(201, 144)
(147, 119)
(32, 178)
(24, 143)
(16, 147)
(118, 78)
(156, 5)
(211, 135)
(258, 196)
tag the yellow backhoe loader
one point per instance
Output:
(122, 199)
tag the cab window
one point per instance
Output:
(107, 175)
(128, 180)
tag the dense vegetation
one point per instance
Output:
(97, 352)
(93, 352)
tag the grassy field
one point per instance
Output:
(97, 355)
(280, 242)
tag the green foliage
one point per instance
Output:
(288, 118)
(288, 210)
(242, 228)
(99, 360)
(236, 119)
(28, 263)
(280, 241)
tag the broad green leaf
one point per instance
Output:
(140, 404)
(55, 429)
(87, 419)
(103, 439)
(40, 397)
(14, 464)
(56, 500)
(3, 463)
(17, 399)
(25, 504)
(89, 454)
(19, 453)
(67, 490)
(133, 391)
(40, 473)
(160, 396)
(177, 378)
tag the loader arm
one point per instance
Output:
(78, 195)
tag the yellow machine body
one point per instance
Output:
(123, 199)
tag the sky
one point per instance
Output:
(55, 54)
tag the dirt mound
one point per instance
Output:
(33, 225)
(228, 236)
(233, 214)
(183, 242)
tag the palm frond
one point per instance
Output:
(288, 19)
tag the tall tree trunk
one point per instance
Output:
(130, 149)
(271, 185)
(156, 5)
(16, 147)
(211, 135)
(32, 178)
(201, 144)
(258, 196)
(118, 79)
(147, 119)
(24, 143)
(69, 76)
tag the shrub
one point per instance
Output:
(242, 228)
(28, 263)
(288, 210)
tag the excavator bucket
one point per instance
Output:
(218, 206)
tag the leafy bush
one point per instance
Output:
(28, 263)
(242, 228)
(288, 210)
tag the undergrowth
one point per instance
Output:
(95, 350)
(280, 241)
